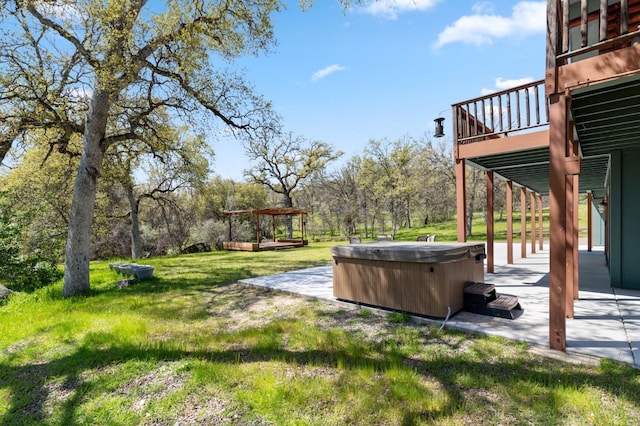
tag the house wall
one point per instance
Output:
(597, 225)
(624, 211)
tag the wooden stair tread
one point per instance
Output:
(479, 288)
(504, 302)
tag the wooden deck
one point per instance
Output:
(267, 245)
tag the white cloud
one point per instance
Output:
(483, 27)
(326, 71)
(502, 84)
(391, 8)
(483, 7)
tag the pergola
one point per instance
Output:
(276, 243)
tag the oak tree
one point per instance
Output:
(81, 68)
(285, 161)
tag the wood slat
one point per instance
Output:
(422, 288)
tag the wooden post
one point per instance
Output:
(576, 238)
(540, 226)
(603, 20)
(589, 221)
(258, 228)
(557, 217)
(490, 222)
(568, 247)
(554, 44)
(303, 224)
(509, 222)
(532, 209)
(461, 200)
(523, 222)
(273, 227)
(230, 239)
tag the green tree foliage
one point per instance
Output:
(386, 170)
(435, 182)
(168, 162)
(220, 194)
(21, 270)
(336, 202)
(284, 162)
(44, 189)
(100, 69)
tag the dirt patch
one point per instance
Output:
(154, 385)
(241, 306)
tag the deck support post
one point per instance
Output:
(509, 222)
(532, 209)
(523, 222)
(568, 247)
(461, 199)
(589, 221)
(540, 229)
(490, 223)
(557, 221)
(576, 239)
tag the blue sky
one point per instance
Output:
(387, 70)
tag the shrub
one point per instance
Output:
(22, 271)
(215, 232)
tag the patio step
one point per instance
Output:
(504, 302)
(479, 288)
(481, 298)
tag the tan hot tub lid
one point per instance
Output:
(402, 251)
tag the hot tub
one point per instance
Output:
(417, 277)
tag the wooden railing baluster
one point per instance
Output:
(476, 119)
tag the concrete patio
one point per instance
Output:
(606, 323)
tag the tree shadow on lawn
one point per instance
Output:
(158, 298)
(30, 384)
(181, 278)
(201, 274)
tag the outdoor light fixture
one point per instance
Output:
(602, 206)
(439, 128)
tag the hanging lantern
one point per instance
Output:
(602, 206)
(439, 128)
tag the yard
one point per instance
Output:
(191, 346)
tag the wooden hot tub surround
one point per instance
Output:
(416, 277)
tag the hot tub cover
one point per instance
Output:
(400, 251)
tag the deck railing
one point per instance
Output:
(496, 115)
(582, 27)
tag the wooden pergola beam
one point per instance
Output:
(270, 211)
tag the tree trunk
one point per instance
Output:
(78, 246)
(288, 202)
(135, 225)
(394, 219)
(407, 213)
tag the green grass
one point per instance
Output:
(190, 347)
